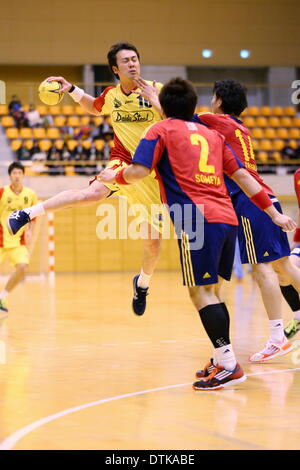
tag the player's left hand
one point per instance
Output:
(107, 176)
(148, 91)
(285, 222)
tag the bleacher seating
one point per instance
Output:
(272, 128)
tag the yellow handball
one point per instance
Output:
(49, 93)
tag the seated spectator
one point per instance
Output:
(66, 155)
(297, 151)
(23, 153)
(48, 121)
(36, 153)
(80, 154)
(105, 128)
(33, 117)
(55, 155)
(67, 132)
(287, 152)
(107, 147)
(14, 105)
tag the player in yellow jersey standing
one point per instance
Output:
(14, 197)
(131, 114)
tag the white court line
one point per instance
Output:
(12, 440)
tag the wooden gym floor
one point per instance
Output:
(83, 372)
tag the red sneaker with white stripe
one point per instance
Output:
(220, 378)
(271, 350)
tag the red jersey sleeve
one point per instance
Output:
(210, 120)
(231, 163)
(297, 185)
(99, 102)
(1, 192)
(151, 147)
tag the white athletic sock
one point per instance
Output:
(35, 211)
(297, 315)
(144, 280)
(276, 330)
(3, 294)
(225, 357)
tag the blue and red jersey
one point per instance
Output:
(238, 137)
(189, 160)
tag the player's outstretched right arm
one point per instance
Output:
(78, 95)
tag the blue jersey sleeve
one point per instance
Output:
(145, 152)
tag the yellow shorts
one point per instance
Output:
(16, 255)
(145, 194)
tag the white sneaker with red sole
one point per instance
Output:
(271, 350)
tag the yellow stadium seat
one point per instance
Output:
(67, 110)
(249, 121)
(39, 133)
(244, 113)
(270, 133)
(42, 109)
(253, 111)
(296, 121)
(261, 121)
(293, 144)
(12, 133)
(59, 121)
(282, 133)
(53, 133)
(86, 144)
(294, 133)
(59, 143)
(265, 111)
(7, 121)
(16, 144)
(72, 143)
(54, 110)
(274, 122)
(289, 111)
(278, 144)
(97, 120)
(79, 111)
(28, 144)
(111, 143)
(277, 111)
(277, 156)
(26, 133)
(258, 133)
(286, 121)
(255, 144)
(3, 109)
(262, 157)
(84, 120)
(204, 109)
(69, 170)
(73, 121)
(99, 144)
(45, 144)
(265, 144)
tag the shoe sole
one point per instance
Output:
(266, 359)
(219, 387)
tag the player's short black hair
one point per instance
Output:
(115, 48)
(233, 95)
(15, 165)
(178, 99)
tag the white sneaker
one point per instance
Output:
(271, 350)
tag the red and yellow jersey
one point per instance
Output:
(238, 137)
(9, 202)
(297, 185)
(190, 160)
(130, 114)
